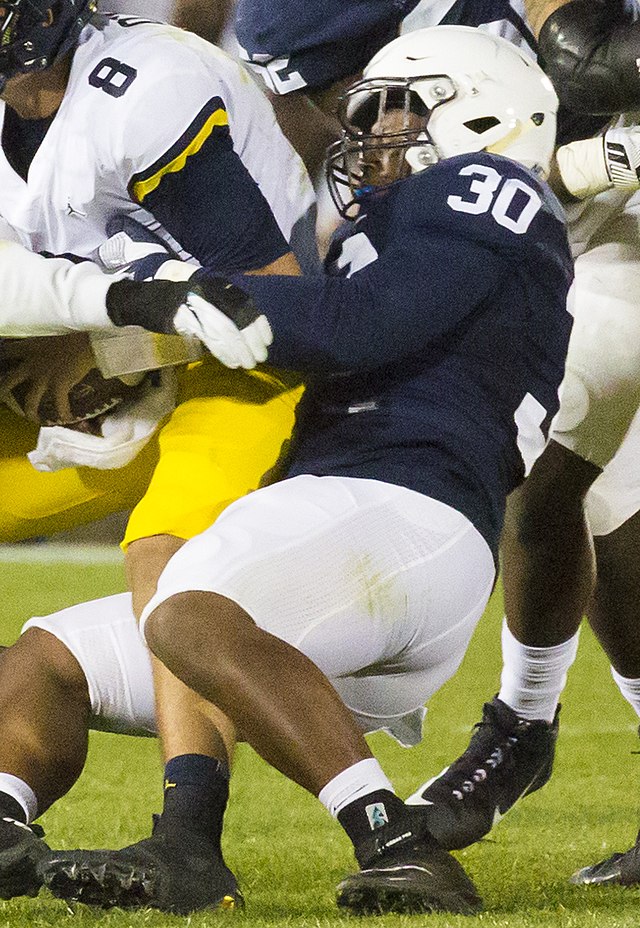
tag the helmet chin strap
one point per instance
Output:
(516, 134)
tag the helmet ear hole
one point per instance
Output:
(482, 124)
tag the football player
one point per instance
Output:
(430, 396)
(590, 50)
(584, 493)
(105, 117)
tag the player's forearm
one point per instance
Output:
(328, 325)
(49, 296)
(590, 50)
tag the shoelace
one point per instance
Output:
(501, 756)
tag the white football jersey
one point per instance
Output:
(148, 110)
(504, 18)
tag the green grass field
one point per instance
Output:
(288, 853)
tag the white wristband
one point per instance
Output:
(583, 167)
(591, 166)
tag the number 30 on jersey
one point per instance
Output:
(486, 197)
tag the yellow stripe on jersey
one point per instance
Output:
(143, 187)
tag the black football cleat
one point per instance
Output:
(22, 852)
(405, 871)
(174, 870)
(507, 758)
(620, 869)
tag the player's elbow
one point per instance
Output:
(568, 78)
(578, 51)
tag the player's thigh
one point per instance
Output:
(221, 442)
(601, 389)
(103, 637)
(34, 504)
(615, 496)
(354, 573)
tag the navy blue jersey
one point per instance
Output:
(295, 44)
(435, 344)
(315, 44)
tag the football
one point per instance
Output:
(90, 396)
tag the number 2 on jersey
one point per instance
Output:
(483, 189)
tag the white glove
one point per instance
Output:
(220, 315)
(590, 166)
(130, 243)
(125, 432)
(232, 346)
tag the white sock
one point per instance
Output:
(358, 780)
(630, 689)
(21, 792)
(533, 678)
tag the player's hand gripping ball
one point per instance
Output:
(54, 381)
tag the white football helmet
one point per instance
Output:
(472, 92)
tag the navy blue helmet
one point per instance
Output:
(33, 33)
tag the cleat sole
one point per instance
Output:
(98, 879)
(414, 892)
(98, 882)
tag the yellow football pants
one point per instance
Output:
(224, 436)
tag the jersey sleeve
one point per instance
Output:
(182, 166)
(50, 296)
(298, 44)
(395, 308)
(446, 251)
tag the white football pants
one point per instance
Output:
(600, 394)
(380, 586)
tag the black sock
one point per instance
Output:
(11, 808)
(371, 817)
(196, 790)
